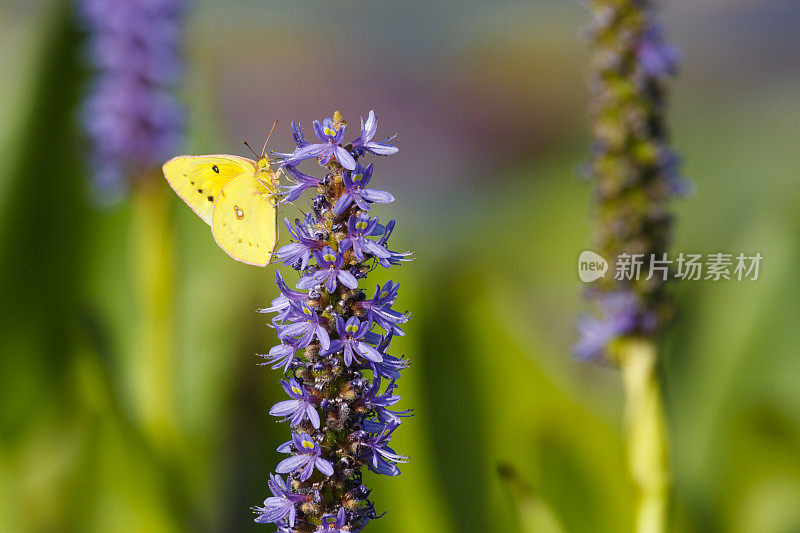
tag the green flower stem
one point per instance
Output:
(154, 348)
(646, 433)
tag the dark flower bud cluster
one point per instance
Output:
(334, 340)
(132, 117)
(633, 169)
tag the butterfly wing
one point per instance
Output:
(245, 220)
(198, 180)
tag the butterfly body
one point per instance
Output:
(236, 196)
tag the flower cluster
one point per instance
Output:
(334, 339)
(131, 117)
(634, 171)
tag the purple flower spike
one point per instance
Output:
(365, 143)
(330, 147)
(281, 505)
(131, 116)
(354, 183)
(338, 405)
(299, 408)
(630, 52)
(330, 264)
(306, 460)
(350, 335)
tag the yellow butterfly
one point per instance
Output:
(236, 196)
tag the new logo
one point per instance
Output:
(591, 266)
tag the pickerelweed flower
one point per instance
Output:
(331, 135)
(131, 117)
(334, 340)
(307, 457)
(354, 191)
(282, 505)
(634, 171)
(365, 142)
(307, 239)
(299, 408)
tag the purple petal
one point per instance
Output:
(343, 203)
(313, 416)
(370, 127)
(369, 352)
(381, 148)
(290, 464)
(284, 408)
(319, 130)
(308, 469)
(374, 195)
(376, 249)
(347, 279)
(344, 158)
(336, 345)
(323, 337)
(330, 284)
(348, 354)
(324, 466)
(311, 280)
(312, 150)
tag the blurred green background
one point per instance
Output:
(489, 99)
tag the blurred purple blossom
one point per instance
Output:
(131, 116)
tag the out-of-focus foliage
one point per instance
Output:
(486, 190)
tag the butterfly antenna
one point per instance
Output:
(264, 150)
(251, 149)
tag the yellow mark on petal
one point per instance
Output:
(296, 390)
(308, 444)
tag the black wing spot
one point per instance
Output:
(210, 198)
(215, 168)
(200, 191)
(240, 239)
